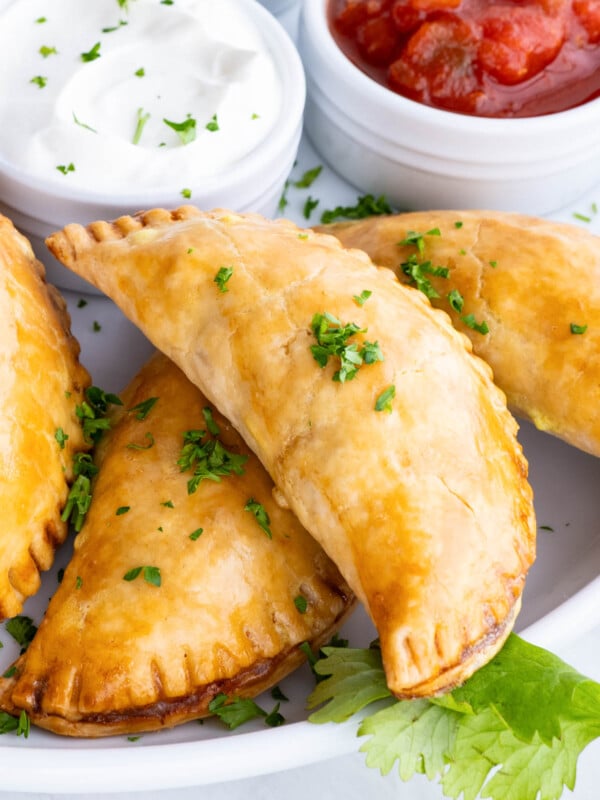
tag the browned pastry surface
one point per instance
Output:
(122, 656)
(529, 279)
(425, 509)
(41, 382)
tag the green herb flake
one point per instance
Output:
(114, 28)
(235, 711)
(195, 535)
(309, 177)
(283, 200)
(208, 459)
(140, 73)
(82, 124)
(303, 235)
(493, 264)
(81, 303)
(91, 54)
(23, 725)
(309, 207)
(78, 582)
(41, 20)
(96, 327)
(10, 672)
(140, 123)
(582, 217)
(418, 239)
(211, 425)
(471, 322)
(222, 277)
(419, 272)
(61, 437)
(65, 168)
(277, 694)
(186, 193)
(260, 514)
(167, 2)
(186, 130)
(141, 410)
(546, 528)
(22, 630)
(150, 574)
(361, 299)
(456, 300)
(577, 329)
(213, 124)
(45, 51)
(149, 437)
(332, 341)
(80, 495)
(458, 224)
(255, 116)
(122, 510)
(39, 80)
(133, 738)
(301, 603)
(366, 206)
(384, 400)
(167, 504)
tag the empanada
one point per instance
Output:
(420, 498)
(536, 285)
(41, 383)
(115, 652)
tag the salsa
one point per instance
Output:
(491, 58)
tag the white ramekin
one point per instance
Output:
(254, 183)
(422, 157)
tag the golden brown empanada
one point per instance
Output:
(235, 600)
(530, 280)
(41, 382)
(420, 498)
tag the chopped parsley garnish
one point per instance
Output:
(582, 217)
(418, 239)
(23, 725)
(283, 201)
(222, 277)
(301, 603)
(418, 272)
(80, 494)
(260, 514)
(361, 299)
(471, 322)
(546, 528)
(213, 124)
(81, 303)
(309, 207)
(96, 327)
(91, 54)
(140, 73)
(65, 168)
(10, 672)
(208, 459)
(122, 510)
(456, 300)
(578, 329)
(39, 81)
(187, 193)
(210, 421)
(366, 206)
(332, 341)
(384, 401)
(458, 224)
(186, 130)
(82, 124)
(61, 437)
(40, 20)
(235, 711)
(22, 630)
(277, 694)
(168, 504)
(114, 28)
(149, 437)
(78, 582)
(143, 409)
(150, 574)
(309, 177)
(45, 51)
(141, 120)
(196, 534)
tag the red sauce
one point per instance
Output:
(490, 58)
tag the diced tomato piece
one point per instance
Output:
(518, 42)
(377, 40)
(588, 12)
(438, 65)
(406, 17)
(349, 14)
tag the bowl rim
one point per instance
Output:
(314, 26)
(269, 150)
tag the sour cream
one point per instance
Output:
(117, 96)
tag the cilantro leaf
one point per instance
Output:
(186, 130)
(513, 731)
(366, 206)
(22, 629)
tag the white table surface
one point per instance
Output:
(347, 776)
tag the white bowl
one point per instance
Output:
(253, 183)
(422, 157)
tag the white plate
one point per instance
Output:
(562, 599)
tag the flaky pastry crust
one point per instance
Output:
(426, 508)
(41, 382)
(529, 279)
(123, 656)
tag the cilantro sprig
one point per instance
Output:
(513, 731)
(235, 711)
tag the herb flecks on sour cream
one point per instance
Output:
(102, 62)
